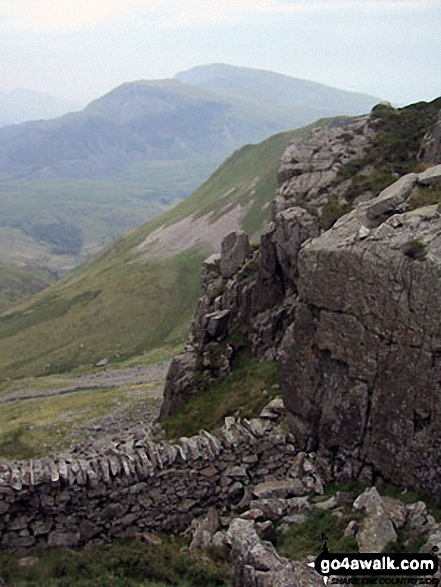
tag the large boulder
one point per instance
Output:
(180, 383)
(257, 564)
(361, 363)
(234, 251)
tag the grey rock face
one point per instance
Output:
(234, 251)
(257, 564)
(392, 200)
(431, 147)
(309, 167)
(180, 382)
(205, 530)
(360, 365)
(217, 323)
(431, 177)
(279, 489)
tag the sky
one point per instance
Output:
(80, 49)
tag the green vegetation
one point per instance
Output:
(123, 303)
(59, 223)
(17, 282)
(126, 563)
(112, 308)
(394, 150)
(425, 196)
(332, 211)
(302, 540)
(37, 427)
(244, 392)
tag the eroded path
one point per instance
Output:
(104, 380)
(46, 415)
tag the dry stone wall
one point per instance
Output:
(123, 488)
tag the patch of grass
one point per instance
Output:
(332, 211)
(245, 392)
(302, 540)
(17, 282)
(424, 196)
(394, 150)
(37, 427)
(126, 563)
(115, 309)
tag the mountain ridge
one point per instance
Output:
(80, 144)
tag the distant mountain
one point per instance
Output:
(71, 184)
(279, 92)
(22, 104)
(212, 109)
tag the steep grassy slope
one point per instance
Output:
(125, 301)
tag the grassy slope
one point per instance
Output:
(18, 282)
(121, 304)
(244, 392)
(124, 563)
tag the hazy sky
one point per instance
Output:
(82, 48)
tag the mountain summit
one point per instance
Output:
(206, 110)
(277, 90)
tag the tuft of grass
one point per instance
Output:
(244, 392)
(302, 540)
(124, 563)
(424, 196)
(332, 211)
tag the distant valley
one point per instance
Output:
(69, 185)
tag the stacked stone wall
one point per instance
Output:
(136, 485)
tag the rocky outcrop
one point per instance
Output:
(351, 313)
(234, 252)
(365, 341)
(252, 294)
(309, 167)
(430, 151)
(256, 562)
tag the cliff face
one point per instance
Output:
(360, 364)
(351, 313)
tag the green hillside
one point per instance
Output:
(125, 302)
